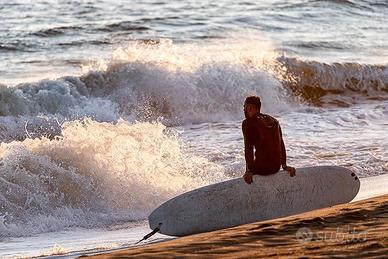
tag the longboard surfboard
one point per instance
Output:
(234, 202)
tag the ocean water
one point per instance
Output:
(108, 109)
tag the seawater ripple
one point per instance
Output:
(325, 31)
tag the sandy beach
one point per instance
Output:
(352, 230)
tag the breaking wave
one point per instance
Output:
(184, 83)
(92, 150)
(94, 175)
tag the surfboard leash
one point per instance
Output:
(153, 232)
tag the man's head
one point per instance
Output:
(252, 105)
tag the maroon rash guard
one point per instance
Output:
(263, 133)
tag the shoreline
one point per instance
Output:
(356, 229)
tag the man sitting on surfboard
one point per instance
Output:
(263, 133)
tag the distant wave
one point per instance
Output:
(49, 32)
(5, 48)
(339, 84)
(379, 4)
(318, 45)
(85, 42)
(18, 46)
(359, 4)
(341, 2)
(54, 31)
(124, 26)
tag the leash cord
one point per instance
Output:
(153, 232)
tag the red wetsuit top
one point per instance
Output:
(263, 132)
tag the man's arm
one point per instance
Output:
(248, 146)
(289, 169)
(284, 154)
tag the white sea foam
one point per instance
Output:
(94, 174)
(174, 83)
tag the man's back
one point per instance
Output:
(263, 132)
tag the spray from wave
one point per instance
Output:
(94, 175)
(173, 83)
(184, 83)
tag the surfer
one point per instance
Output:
(263, 133)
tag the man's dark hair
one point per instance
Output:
(255, 100)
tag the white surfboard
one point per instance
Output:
(234, 202)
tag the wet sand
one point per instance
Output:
(354, 230)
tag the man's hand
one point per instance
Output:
(291, 170)
(248, 177)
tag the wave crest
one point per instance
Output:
(340, 84)
(182, 84)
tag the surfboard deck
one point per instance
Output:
(234, 202)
